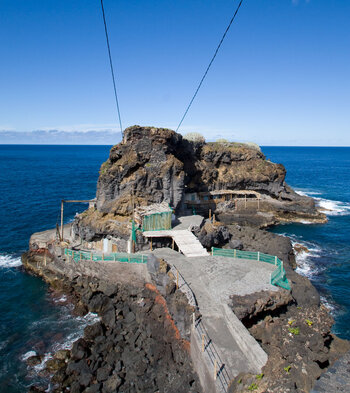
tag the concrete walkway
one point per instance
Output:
(213, 280)
(185, 240)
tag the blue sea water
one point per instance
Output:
(324, 174)
(34, 179)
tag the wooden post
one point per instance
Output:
(193, 321)
(276, 260)
(258, 255)
(209, 214)
(213, 218)
(215, 369)
(45, 258)
(203, 337)
(177, 279)
(234, 253)
(173, 244)
(103, 256)
(62, 208)
(151, 244)
(80, 256)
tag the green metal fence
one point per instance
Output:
(93, 256)
(157, 222)
(278, 276)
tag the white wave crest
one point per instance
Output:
(333, 208)
(9, 261)
(328, 206)
(27, 355)
(305, 265)
(330, 305)
(84, 321)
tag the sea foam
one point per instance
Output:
(7, 261)
(330, 207)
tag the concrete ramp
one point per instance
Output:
(185, 240)
(212, 280)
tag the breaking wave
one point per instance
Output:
(328, 206)
(7, 261)
(78, 330)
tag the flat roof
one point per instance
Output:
(155, 208)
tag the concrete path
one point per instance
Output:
(186, 241)
(213, 280)
(188, 222)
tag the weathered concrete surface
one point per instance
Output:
(336, 378)
(213, 280)
(187, 222)
(108, 271)
(45, 238)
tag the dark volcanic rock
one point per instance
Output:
(139, 349)
(256, 305)
(158, 165)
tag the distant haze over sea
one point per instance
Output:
(59, 137)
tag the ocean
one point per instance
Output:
(34, 179)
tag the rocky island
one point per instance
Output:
(174, 257)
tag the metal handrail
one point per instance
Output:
(199, 326)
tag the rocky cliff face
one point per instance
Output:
(147, 164)
(153, 165)
(156, 164)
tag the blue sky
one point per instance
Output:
(281, 77)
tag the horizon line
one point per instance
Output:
(101, 144)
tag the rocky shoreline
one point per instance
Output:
(151, 325)
(143, 340)
(136, 346)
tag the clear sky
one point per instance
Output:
(282, 76)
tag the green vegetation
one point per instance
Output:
(253, 386)
(194, 137)
(294, 330)
(260, 376)
(287, 369)
(290, 322)
(308, 322)
(104, 167)
(240, 380)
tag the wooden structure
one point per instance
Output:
(156, 217)
(219, 196)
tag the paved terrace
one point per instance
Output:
(213, 279)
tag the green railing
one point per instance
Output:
(78, 255)
(278, 276)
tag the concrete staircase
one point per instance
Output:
(186, 241)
